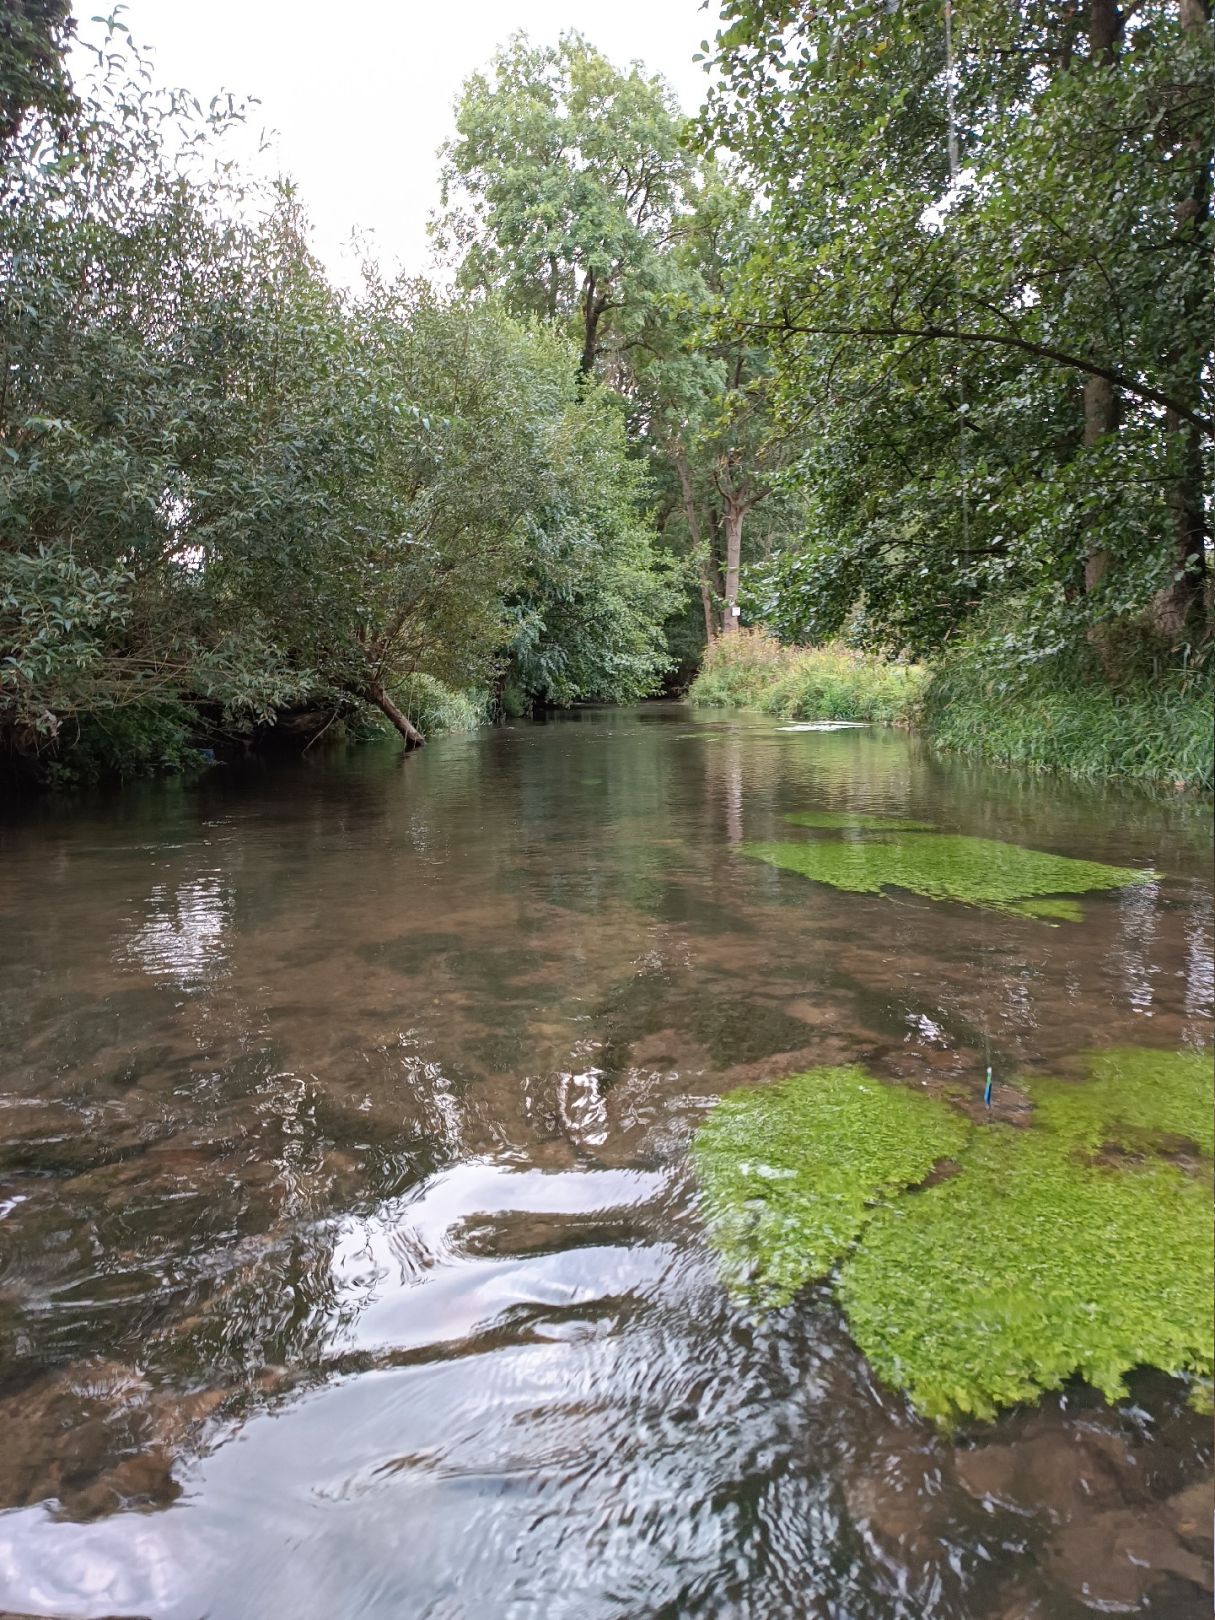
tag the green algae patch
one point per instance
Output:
(844, 820)
(946, 866)
(1134, 1098)
(1029, 1269)
(1038, 1261)
(1058, 910)
(791, 1173)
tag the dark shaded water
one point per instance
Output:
(350, 1262)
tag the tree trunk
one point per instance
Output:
(593, 307)
(734, 513)
(703, 560)
(1100, 420)
(1178, 609)
(375, 693)
(1100, 396)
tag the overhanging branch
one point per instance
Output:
(1010, 340)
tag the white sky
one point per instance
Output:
(360, 96)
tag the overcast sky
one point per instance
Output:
(361, 94)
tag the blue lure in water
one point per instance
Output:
(987, 1087)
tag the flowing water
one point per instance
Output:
(350, 1259)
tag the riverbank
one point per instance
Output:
(752, 670)
(1155, 732)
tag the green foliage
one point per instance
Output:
(435, 708)
(142, 739)
(946, 866)
(780, 1195)
(585, 615)
(975, 362)
(34, 36)
(560, 188)
(1037, 1261)
(227, 485)
(1063, 714)
(751, 670)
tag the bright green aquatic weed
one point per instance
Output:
(1039, 1260)
(791, 1172)
(1029, 1268)
(1136, 1098)
(1050, 910)
(945, 866)
(845, 819)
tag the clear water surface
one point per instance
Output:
(350, 1258)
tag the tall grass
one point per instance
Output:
(1064, 716)
(1059, 715)
(752, 670)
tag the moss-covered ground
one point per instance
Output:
(1079, 1246)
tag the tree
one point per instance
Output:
(34, 37)
(706, 386)
(561, 188)
(937, 333)
(586, 612)
(226, 487)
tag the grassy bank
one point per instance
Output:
(752, 670)
(1065, 717)
(1062, 715)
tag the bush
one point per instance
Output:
(140, 739)
(434, 707)
(752, 670)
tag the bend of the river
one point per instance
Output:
(351, 1262)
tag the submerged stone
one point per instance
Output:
(946, 866)
(1039, 1260)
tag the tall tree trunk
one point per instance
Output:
(1100, 420)
(593, 306)
(375, 693)
(1100, 396)
(703, 560)
(1178, 609)
(735, 511)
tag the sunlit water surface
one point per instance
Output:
(350, 1258)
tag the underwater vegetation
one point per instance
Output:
(944, 866)
(843, 819)
(1079, 1245)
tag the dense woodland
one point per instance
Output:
(904, 343)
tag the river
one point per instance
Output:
(351, 1262)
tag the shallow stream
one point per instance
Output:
(351, 1262)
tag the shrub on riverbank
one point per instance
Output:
(752, 670)
(1063, 715)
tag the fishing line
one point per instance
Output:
(955, 169)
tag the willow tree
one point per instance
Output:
(227, 487)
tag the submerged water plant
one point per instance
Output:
(947, 866)
(844, 820)
(1077, 1246)
(783, 1200)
